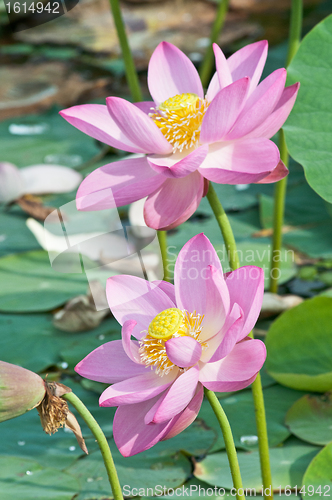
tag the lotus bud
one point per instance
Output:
(20, 390)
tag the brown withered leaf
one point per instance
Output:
(34, 207)
(74, 426)
(264, 233)
(80, 314)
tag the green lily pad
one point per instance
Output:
(326, 277)
(277, 400)
(80, 345)
(32, 285)
(38, 343)
(316, 242)
(299, 346)
(310, 418)
(26, 478)
(44, 138)
(266, 380)
(303, 207)
(24, 437)
(266, 205)
(309, 127)
(195, 489)
(317, 480)
(139, 472)
(288, 464)
(14, 234)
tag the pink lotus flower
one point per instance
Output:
(189, 335)
(186, 138)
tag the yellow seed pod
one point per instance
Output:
(165, 324)
(179, 102)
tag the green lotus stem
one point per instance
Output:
(162, 238)
(225, 227)
(257, 390)
(281, 186)
(278, 218)
(131, 73)
(136, 93)
(229, 441)
(263, 445)
(295, 30)
(207, 63)
(101, 440)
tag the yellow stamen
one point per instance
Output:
(180, 119)
(169, 323)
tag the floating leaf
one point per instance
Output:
(45, 138)
(313, 241)
(38, 343)
(309, 127)
(266, 206)
(32, 285)
(195, 490)
(310, 418)
(303, 207)
(288, 464)
(277, 400)
(299, 346)
(317, 479)
(25, 438)
(80, 345)
(140, 472)
(26, 478)
(14, 234)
